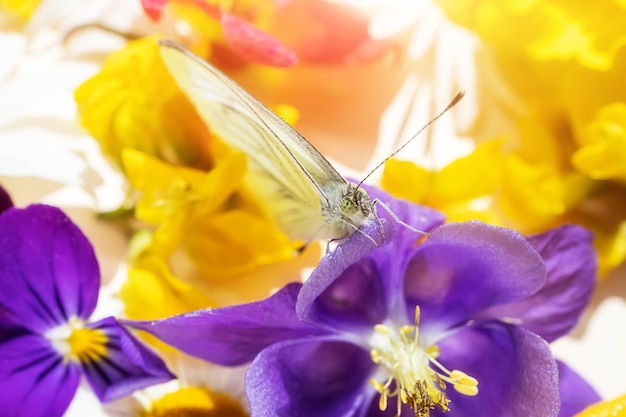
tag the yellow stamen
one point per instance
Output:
(78, 343)
(195, 402)
(416, 378)
(87, 345)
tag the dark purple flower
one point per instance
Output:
(50, 280)
(452, 325)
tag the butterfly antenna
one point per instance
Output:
(452, 103)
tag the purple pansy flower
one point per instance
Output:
(455, 325)
(50, 281)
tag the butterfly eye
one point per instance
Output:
(348, 205)
(362, 195)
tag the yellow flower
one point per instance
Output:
(236, 241)
(195, 401)
(201, 390)
(20, 8)
(603, 154)
(462, 189)
(534, 196)
(611, 408)
(175, 197)
(504, 189)
(565, 62)
(210, 215)
(151, 292)
(206, 224)
(547, 30)
(133, 102)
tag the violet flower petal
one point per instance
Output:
(464, 268)
(350, 302)
(309, 378)
(236, 334)
(34, 380)
(5, 200)
(10, 327)
(128, 365)
(571, 277)
(48, 268)
(576, 393)
(356, 299)
(516, 372)
(353, 302)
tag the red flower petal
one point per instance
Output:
(255, 45)
(153, 8)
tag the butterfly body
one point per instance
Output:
(300, 190)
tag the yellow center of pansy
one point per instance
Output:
(415, 378)
(195, 402)
(78, 343)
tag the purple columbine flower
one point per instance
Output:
(49, 280)
(455, 325)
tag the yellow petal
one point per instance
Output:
(173, 191)
(195, 401)
(406, 180)
(462, 190)
(151, 292)
(604, 154)
(477, 209)
(473, 176)
(133, 102)
(546, 30)
(612, 408)
(611, 247)
(533, 195)
(20, 8)
(236, 241)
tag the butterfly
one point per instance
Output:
(302, 192)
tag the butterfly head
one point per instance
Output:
(355, 205)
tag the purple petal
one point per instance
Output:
(576, 393)
(571, 276)
(48, 268)
(236, 334)
(34, 380)
(465, 268)
(353, 285)
(345, 291)
(128, 365)
(318, 377)
(516, 372)
(5, 200)
(10, 327)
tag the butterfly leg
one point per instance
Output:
(396, 218)
(356, 229)
(336, 241)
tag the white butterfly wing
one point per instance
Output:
(290, 175)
